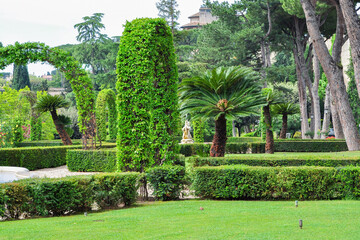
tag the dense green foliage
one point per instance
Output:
(80, 81)
(106, 111)
(243, 139)
(103, 160)
(91, 160)
(353, 93)
(20, 77)
(54, 197)
(302, 183)
(166, 181)
(147, 101)
(198, 126)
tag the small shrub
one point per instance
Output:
(166, 181)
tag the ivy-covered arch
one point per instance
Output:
(106, 98)
(31, 52)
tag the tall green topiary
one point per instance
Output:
(147, 100)
(106, 110)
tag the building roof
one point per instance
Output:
(195, 15)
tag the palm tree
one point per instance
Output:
(271, 98)
(51, 103)
(285, 109)
(221, 93)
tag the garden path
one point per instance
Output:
(58, 172)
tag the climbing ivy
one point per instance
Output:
(198, 126)
(147, 100)
(80, 82)
(106, 109)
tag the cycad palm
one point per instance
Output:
(285, 109)
(221, 93)
(51, 103)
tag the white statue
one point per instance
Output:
(186, 133)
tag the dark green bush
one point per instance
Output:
(44, 143)
(310, 146)
(2, 202)
(303, 183)
(166, 181)
(53, 197)
(79, 160)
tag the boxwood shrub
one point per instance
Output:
(79, 160)
(54, 197)
(166, 181)
(203, 149)
(266, 183)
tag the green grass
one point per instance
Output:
(184, 220)
(299, 155)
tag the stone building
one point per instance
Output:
(199, 19)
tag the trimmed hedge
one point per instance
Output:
(54, 197)
(260, 160)
(243, 139)
(166, 181)
(34, 158)
(310, 146)
(203, 149)
(44, 143)
(104, 160)
(265, 183)
(79, 160)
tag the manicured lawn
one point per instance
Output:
(184, 220)
(300, 155)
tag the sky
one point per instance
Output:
(52, 21)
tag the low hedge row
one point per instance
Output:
(260, 160)
(265, 183)
(45, 143)
(310, 146)
(103, 160)
(54, 197)
(243, 139)
(34, 158)
(166, 181)
(203, 149)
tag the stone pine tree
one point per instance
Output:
(20, 77)
(167, 10)
(147, 95)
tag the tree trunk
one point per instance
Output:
(326, 118)
(269, 145)
(316, 103)
(353, 30)
(60, 129)
(219, 141)
(338, 130)
(284, 126)
(333, 72)
(233, 128)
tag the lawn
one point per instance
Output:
(185, 220)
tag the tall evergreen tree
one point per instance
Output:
(167, 10)
(20, 77)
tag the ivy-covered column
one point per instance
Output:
(147, 95)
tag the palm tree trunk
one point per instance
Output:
(269, 145)
(284, 126)
(60, 129)
(219, 141)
